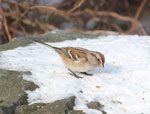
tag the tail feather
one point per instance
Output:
(47, 45)
(58, 50)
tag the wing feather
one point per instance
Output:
(75, 53)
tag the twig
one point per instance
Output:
(72, 14)
(127, 6)
(116, 15)
(5, 24)
(77, 13)
(16, 23)
(77, 5)
(131, 30)
(113, 2)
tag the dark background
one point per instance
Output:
(30, 17)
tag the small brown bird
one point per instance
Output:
(78, 59)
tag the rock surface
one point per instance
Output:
(64, 106)
(1, 112)
(54, 36)
(12, 90)
(97, 106)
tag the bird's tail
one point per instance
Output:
(47, 45)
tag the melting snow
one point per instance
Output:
(123, 86)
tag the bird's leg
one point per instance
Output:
(86, 73)
(74, 74)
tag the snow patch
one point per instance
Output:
(123, 86)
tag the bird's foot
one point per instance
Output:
(86, 73)
(74, 74)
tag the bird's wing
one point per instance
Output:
(74, 53)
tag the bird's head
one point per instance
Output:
(100, 59)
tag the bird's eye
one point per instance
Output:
(98, 59)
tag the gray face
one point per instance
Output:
(94, 58)
(99, 60)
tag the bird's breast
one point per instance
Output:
(80, 65)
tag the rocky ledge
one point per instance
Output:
(12, 90)
(14, 99)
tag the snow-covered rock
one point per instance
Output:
(123, 86)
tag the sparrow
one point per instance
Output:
(78, 60)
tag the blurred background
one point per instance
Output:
(31, 17)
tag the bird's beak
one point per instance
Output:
(101, 65)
